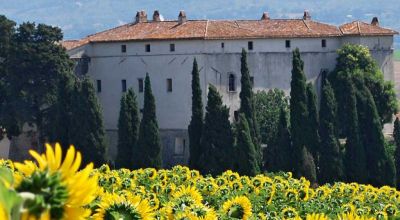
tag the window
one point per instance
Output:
(169, 85)
(250, 45)
(252, 81)
(123, 84)
(140, 81)
(323, 43)
(123, 48)
(287, 43)
(236, 115)
(232, 83)
(98, 85)
(222, 45)
(172, 47)
(180, 145)
(147, 47)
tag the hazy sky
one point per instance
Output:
(78, 18)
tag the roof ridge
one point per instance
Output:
(305, 23)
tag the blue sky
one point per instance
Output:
(79, 18)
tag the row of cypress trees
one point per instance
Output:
(139, 143)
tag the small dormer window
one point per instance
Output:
(287, 44)
(250, 45)
(172, 47)
(222, 45)
(323, 43)
(232, 83)
(123, 48)
(147, 47)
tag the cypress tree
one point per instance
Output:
(396, 136)
(379, 165)
(279, 153)
(245, 150)
(331, 165)
(247, 104)
(305, 165)
(217, 136)
(149, 145)
(87, 132)
(128, 129)
(196, 122)
(355, 156)
(312, 131)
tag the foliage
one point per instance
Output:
(396, 136)
(128, 130)
(279, 156)
(89, 137)
(247, 105)
(268, 106)
(330, 161)
(196, 122)
(149, 145)
(217, 136)
(246, 162)
(305, 165)
(313, 140)
(181, 193)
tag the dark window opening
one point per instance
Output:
(250, 45)
(323, 43)
(236, 115)
(232, 84)
(222, 45)
(147, 47)
(169, 85)
(287, 43)
(98, 85)
(123, 83)
(252, 81)
(140, 81)
(123, 48)
(172, 47)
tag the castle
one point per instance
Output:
(119, 58)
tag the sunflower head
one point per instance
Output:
(289, 213)
(238, 207)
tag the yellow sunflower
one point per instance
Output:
(188, 192)
(60, 189)
(353, 216)
(289, 213)
(316, 216)
(238, 207)
(113, 206)
(3, 214)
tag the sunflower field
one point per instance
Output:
(53, 187)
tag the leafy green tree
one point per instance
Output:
(149, 145)
(217, 136)
(356, 61)
(247, 105)
(355, 156)
(246, 164)
(305, 165)
(380, 167)
(396, 136)
(330, 164)
(278, 156)
(268, 106)
(313, 140)
(87, 128)
(196, 122)
(128, 130)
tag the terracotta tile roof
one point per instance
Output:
(364, 29)
(227, 29)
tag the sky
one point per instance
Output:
(79, 18)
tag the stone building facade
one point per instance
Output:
(119, 58)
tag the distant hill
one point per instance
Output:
(79, 18)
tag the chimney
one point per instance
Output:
(141, 16)
(156, 16)
(306, 15)
(375, 21)
(182, 17)
(265, 16)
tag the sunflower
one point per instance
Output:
(289, 213)
(238, 207)
(390, 209)
(201, 211)
(188, 192)
(113, 206)
(60, 190)
(3, 214)
(315, 216)
(381, 215)
(352, 216)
